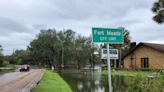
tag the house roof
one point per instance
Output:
(158, 47)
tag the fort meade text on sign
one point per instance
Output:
(106, 35)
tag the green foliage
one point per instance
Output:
(3, 62)
(19, 61)
(50, 48)
(54, 81)
(146, 85)
(158, 9)
(136, 85)
(1, 49)
(139, 84)
(21, 57)
(130, 73)
(161, 72)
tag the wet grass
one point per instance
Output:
(130, 73)
(52, 82)
(7, 68)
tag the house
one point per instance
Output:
(144, 56)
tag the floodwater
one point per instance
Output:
(94, 82)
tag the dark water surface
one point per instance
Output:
(94, 82)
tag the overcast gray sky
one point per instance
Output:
(21, 20)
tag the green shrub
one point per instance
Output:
(19, 61)
(5, 62)
(1, 61)
(139, 84)
(136, 85)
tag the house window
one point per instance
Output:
(144, 62)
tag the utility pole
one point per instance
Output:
(120, 60)
(115, 63)
(62, 59)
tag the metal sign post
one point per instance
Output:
(109, 70)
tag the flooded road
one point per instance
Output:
(94, 82)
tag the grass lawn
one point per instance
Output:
(130, 73)
(7, 68)
(52, 82)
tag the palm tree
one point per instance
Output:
(158, 9)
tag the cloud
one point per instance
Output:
(144, 29)
(15, 41)
(15, 34)
(21, 20)
(8, 25)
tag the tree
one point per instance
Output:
(21, 57)
(1, 49)
(44, 49)
(127, 40)
(158, 9)
(52, 48)
(1, 56)
(2, 59)
(68, 46)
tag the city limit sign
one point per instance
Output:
(107, 35)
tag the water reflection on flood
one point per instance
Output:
(94, 82)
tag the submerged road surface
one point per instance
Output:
(20, 81)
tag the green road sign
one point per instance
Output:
(107, 35)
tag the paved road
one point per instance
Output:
(20, 81)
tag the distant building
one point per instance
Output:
(144, 56)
